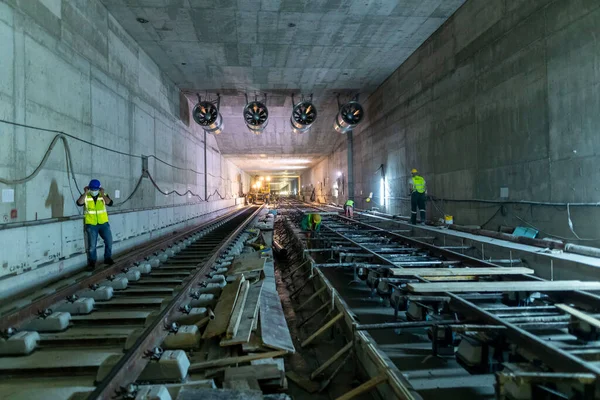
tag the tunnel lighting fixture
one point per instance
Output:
(262, 178)
(268, 179)
(339, 173)
(382, 191)
(256, 116)
(349, 115)
(303, 116)
(207, 115)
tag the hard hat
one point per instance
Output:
(316, 218)
(414, 171)
(368, 199)
(94, 184)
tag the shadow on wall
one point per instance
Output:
(55, 201)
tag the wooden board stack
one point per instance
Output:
(248, 327)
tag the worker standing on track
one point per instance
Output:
(94, 202)
(418, 196)
(349, 208)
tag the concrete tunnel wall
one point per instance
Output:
(69, 66)
(504, 94)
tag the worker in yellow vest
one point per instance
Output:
(349, 208)
(95, 217)
(418, 196)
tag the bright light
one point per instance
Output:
(268, 179)
(339, 173)
(262, 178)
(382, 191)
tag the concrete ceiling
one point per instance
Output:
(280, 47)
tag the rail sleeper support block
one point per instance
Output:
(172, 366)
(155, 392)
(83, 305)
(103, 293)
(211, 288)
(195, 315)
(220, 279)
(19, 344)
(204, 300)
(55, 322)
(153, 261)
(187, 337)
(222, 270)
(133, 275)
(144, 268)
(117, 283)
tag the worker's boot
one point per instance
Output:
(91, 265)
(413, 218)
(422, 217)
(109, 261)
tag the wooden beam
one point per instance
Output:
(249, 316)
(223, 310)
(311, 298)
(314, 313)
(327, 363)
(294, 270)
(297, 291)
(460, 271)
(236, 314)
(322, 329)
(588, 319)
(223, 362)
(365, 387)
(503, 286)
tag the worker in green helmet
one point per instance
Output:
(418, 196)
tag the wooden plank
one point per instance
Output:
(303, 381)
(311, 298)
(274, 330)
(460, 271)
(588, 319)
(219, 394)
(249, 316)
(246, 263)
(223, 362)
(258, 372)
(333, 358)
(322, 329)
(365, 387)
(504, 286)
(236, 314)
(222, 311)
(246, 384)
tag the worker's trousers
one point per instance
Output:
(91, 236)
(417, 200)
(349, 211)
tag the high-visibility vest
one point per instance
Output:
(418, 184)
(350, 203)
(95, 211)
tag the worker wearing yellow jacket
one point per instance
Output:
(94, 202)
(418, 196)
(349, 208)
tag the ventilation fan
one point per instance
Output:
(303, 116)
(206, 114)
(348, 117)
(256, 116)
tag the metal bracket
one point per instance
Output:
(94, 286)
(128, 392)
(185, 309)
(173, 327)
(43, 314)
(73, 298)
(155, 354)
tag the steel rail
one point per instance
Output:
(548, 353)
(131, 365)
(31, 310)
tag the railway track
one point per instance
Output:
(92, 335)
(500, 325)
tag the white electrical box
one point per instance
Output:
(8, 196)
(117, 194)
(504, 193)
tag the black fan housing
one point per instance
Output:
(256, 116)
(303, 116)
(206, 114)
(350, 115)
